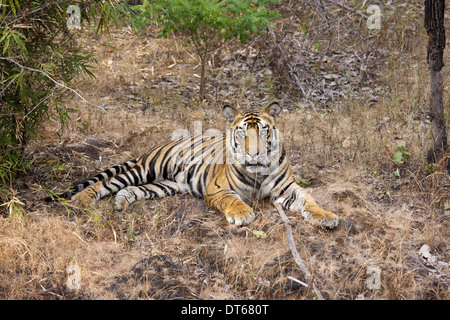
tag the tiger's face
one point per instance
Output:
(253, 140)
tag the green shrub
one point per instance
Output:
(39, 58)
(209, 23)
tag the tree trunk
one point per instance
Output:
(202, 75)
(434, 24)
(436, 114)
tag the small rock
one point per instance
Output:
(425, 253)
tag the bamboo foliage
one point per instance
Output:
(39, 58)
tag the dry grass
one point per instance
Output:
(175, 247)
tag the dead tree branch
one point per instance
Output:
(294, 251)
(291, 242)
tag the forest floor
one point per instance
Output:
(352, 98)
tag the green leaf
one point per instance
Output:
(447, 205)
(398, 157)
(303, 29)
(306, 182)
(17, 35)
(6, 45)
(13, 7)
(6, 32)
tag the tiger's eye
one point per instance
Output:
(241, 133)
(263, 132)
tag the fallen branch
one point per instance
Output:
(291, 242)
(294, 251)
(298, 281)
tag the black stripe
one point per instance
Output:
(139, 172)
(126, 166)
(151, 194)
(166, 159)
(215, 193)
(200, 185)
(205, 177)
(165, 189)
(241, 176)
(290, 200)
(136, 179)
(171, 190)
(115, 185)
(215, 183)
(109, 173)
(151, 175)
(85, 184)
(282, 175)
(230, 181)
(282, 157)
(105, 186)
(190, 176)
(121, 180)
(285, 188)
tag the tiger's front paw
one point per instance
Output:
(312, 213)
(323, 218)
(83, 199)
(240, 215)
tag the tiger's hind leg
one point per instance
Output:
(98, 190)
(156, 189)
(102, 176)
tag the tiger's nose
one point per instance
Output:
(252, 153)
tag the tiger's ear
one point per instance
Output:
(273, 110)
(229, 113)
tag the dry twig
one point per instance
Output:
(294, 251)
(290, 238)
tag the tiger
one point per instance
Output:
(230, 172)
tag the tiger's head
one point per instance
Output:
(253, 141)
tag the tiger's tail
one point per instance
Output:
(105, 175)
